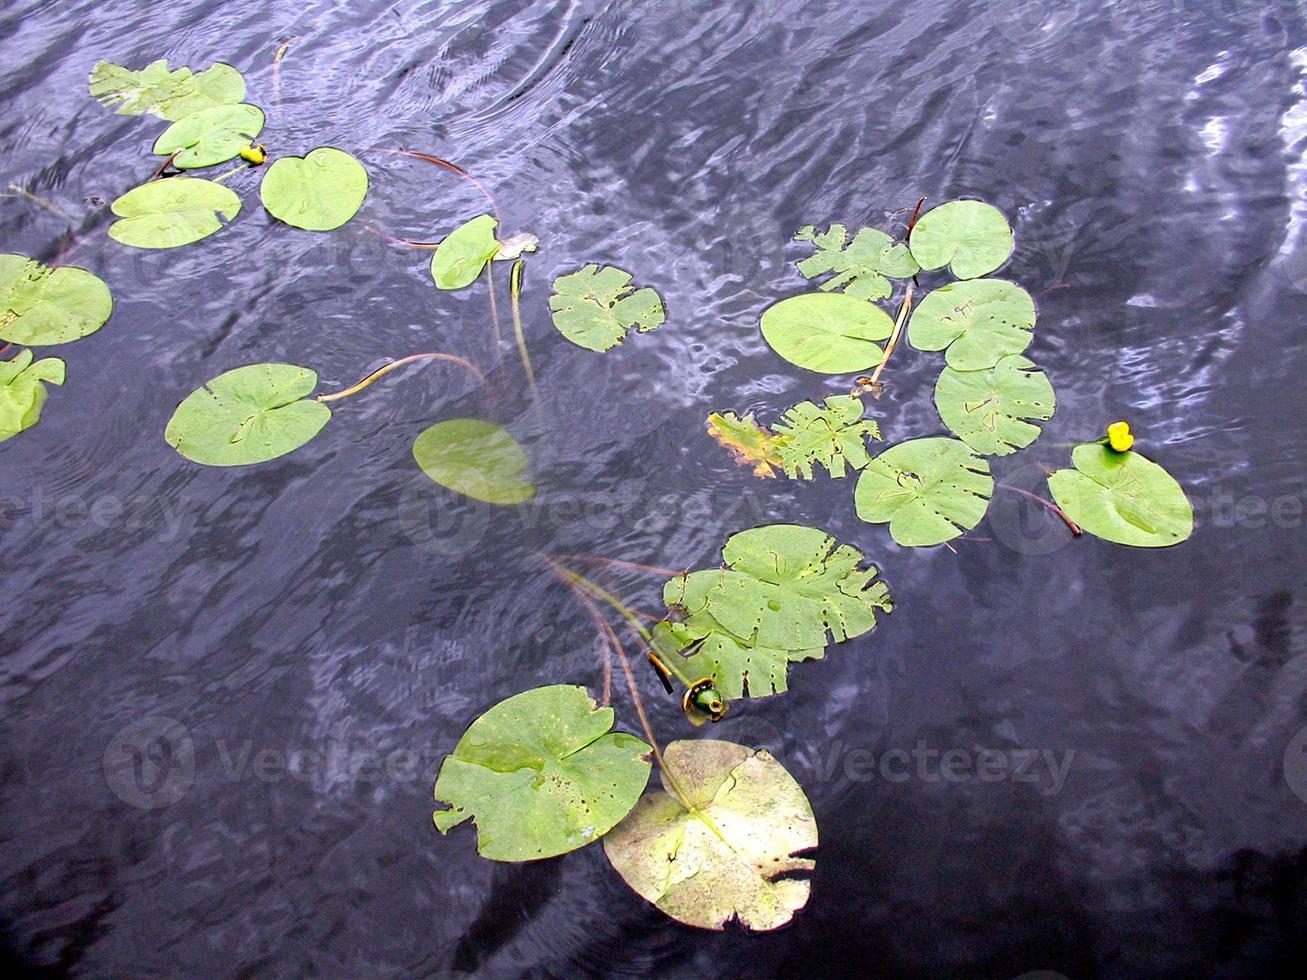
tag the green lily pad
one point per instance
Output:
(1125, 498)
(541, 773)
(459, 259)
(971, 237)
(832, 333)
(862, 267)
(477, 459)
(173, 212)
(22, 390)
(169, 94)
(210, 136)
(833, 436)
(980, 321)
(734, 856)
(41, 306)
(989, 409)
(928, 491)
(595, 307)
(248, 415)
(319, 191)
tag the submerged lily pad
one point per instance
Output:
(989, 409)
(210, 136)
(970, 237)
(927, 490)
(833, 436)
(319, 191)
(595, 307)
(833, 333)
(1123, 497)
(980, 322)
(747, 441)
(735, 854)
(40, 305)
(22, 391)
(248, 415)
(541, 773)
(862, 267)
(173, 212)
(477, 459)
(168, 94)
(459, 259)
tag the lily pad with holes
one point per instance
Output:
(990, 410)
(862, 267)
(928, 490)
(459, 259)
(173, 212)
(319, 191)
(248, 415)
(169, 94)
(1125, 498)
(834, 436)
(735, 855)
(210, 136)
(22, 391)
(980, 321)
(832, 333)
(541, 773)
(596, 307)
(40, 305)
(970, 237)
(477, 459)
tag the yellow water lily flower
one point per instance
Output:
(254, 154)
(1119, 437)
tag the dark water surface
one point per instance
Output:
(338, 610)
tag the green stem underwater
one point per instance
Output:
(515, 290)
(386, 369)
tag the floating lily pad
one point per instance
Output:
(747, 441)
(862, 267)
(249, 415)
(477, 459)
(41, 306)
(541, 773)
(22, 390)
(927, 490)
(832, 333)
(989, 409)
(833, 436)
(210, 136)
(595, 307)
(169, 94)
(980, 321)
(734, 856)
(970, 237)
(459, 259)
(1123, 497)
(319, 191)
(173, 212)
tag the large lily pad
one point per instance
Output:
(541, 773)
(477, 459)
(833, 436)
(22, 391)
(40, 305)
(248, 415)
(1123, 497)
(970, 237)
(168, 94)
(459, 259)
(173, 212)
(980, 321)
(927, 490)
(595, 307)
(319, 191)
(989, 410)
(832, 333)
(862, 267)
(734, 855)
(210, 136)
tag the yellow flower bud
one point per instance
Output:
(1119, 437)
(254, 154)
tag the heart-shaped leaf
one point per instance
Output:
(832, 333)
(173, 212)
(22, 390)
(595, 307)
(210, 136)
(989, 409)
(970, 237)
(477, 459)
(927, 490)
(319, 191)
(863, 267)
(1123, 497)
(168, 94)
(41, 306)
(980, 321)
(459, 259)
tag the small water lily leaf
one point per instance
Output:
(595, 307)
(22, 390)
(41, 306)
(971, 237)
(980, 321)
(210, 136)
(459, 259)
(928, 491)
(319, 191)
(747, 441)
(515, 246)
(1125, 498)
(734, 856)
(248, 415)
(863, 267)
(475, 458)
(173, 212)
(833, 436)
(169, 94)
(989, 409)
(832, 333)
(541, 774)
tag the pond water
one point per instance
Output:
(1127, 794)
